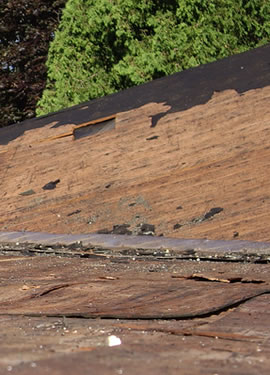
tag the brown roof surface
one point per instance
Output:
(198, 173)
(192, 317)
(184, 157)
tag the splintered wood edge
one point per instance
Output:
(71, 133)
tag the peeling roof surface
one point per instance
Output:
(141, 219)
(199, 172)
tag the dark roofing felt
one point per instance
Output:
(242, 72)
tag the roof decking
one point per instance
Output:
(159, 164)
(193, 317)
(185, 156)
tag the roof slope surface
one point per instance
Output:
(184, 156)
(188, 154)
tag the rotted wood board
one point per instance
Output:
(197, 317)
(76, 290)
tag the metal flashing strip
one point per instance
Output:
(232, 250)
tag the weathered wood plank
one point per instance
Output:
(232, 338)
(42, 345)
(81, 288)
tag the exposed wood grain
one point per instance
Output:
(212, 155)
(189, 156)
(82, 289)
(233, 341)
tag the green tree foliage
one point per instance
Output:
(108, 45)
(25, 32)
